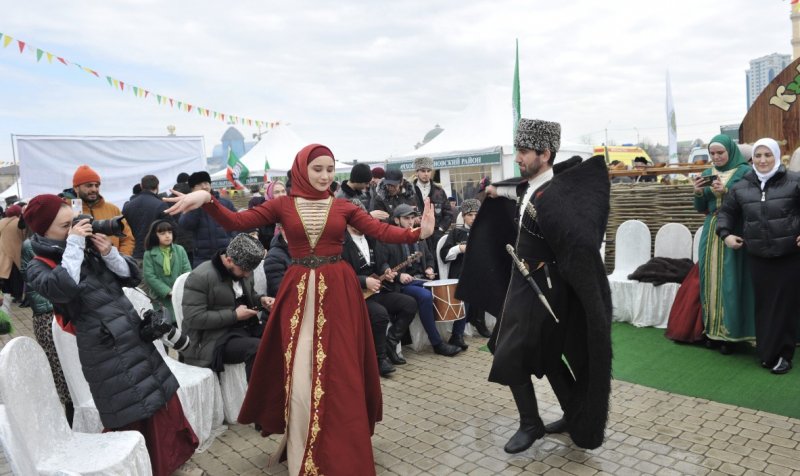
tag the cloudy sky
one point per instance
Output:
(369, 78)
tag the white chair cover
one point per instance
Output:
(696, 244)
(44, 438)
(14, 450)
(631, 249)
(198, 392)
(233, 381)
(260, 279)
(86, 418)
(673, 240)
(444, 266)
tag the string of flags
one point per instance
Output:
(138, 91)
(795, 5)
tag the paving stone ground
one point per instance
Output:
(441, 417)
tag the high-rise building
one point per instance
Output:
(762, 71)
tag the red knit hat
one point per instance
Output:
(41, 211)
(378, 172)
(84, 174)
(14, 211)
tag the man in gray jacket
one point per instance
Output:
(221, 307)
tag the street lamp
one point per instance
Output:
(638, 142)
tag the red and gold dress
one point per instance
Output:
(315, 378)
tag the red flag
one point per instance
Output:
(21, 45)
(62, 60)
(121, 85)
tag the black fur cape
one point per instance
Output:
(572, 213)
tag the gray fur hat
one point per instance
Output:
(534, 134)
(423, 163)
(245, 251)
(470, 205)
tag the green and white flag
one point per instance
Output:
(237, 171)
(515, 107)
(672, 129)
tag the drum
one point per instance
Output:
(445, 306)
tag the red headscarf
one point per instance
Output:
(301, 186)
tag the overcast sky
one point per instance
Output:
(370, 78)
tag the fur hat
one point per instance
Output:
(183, 177)
(84, 174)
(360, 173)
(404, 210)
(199, 177)
(423, 163)
(470, 205)
(41, 211)
(378, 172)
(245, 251)
(534, 134)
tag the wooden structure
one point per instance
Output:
(776, 112)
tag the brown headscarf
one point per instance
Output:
(301, 186)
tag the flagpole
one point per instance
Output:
(515, 104)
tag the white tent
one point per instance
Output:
(14, 189)
(479, 132)
(280, 145)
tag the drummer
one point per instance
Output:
(411, 279)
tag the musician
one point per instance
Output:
(453, 251)
(359, 251)
(556, 228)
(410, 281)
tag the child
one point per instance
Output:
(82, 274)
(163, 262)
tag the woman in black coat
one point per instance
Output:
(130, 383)
(767, 202)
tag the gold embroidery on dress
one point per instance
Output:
(313, 215)
(310, 466)
(293, 322)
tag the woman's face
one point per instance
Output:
(320, 172)
(719, 155)
(59, 229)
(280, 190)
(763, 159)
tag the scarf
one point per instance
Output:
(269, 191)
(167, 252)
(735, 156)
(301, 187)
(772, 145)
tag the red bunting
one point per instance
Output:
(21, 45)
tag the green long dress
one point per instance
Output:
(726, 288)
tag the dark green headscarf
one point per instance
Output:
(735, 157)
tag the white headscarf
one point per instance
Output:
(776, 152)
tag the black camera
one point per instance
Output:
(110, 227)
(156, 325)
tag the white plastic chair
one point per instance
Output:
(86, 418)
(199, 393)
(444, 266)
(260, 279)
(44, 441)
(631, 249)
(696, 244)
(233, 380)
(673, 240)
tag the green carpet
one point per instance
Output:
(645, 357)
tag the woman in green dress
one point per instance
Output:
(726, 289)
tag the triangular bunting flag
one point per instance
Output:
(136, 90)
(6, 41)
(21, 45)
(171, 103)
(62, 60)
(110, 81)
(121, 86)
(49, 57)
(39, 54)
(188, 108)
(180, 105)
(116, 83)
(146, 92)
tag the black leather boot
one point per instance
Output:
(531, 427)
(385, 366)
(479, 323)
(393, 337)
(458, 341)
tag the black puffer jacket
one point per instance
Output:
(209, 237)
(128, 378)
(771, 220)
(140, 212)
(276, 263)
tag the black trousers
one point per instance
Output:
(777, 303)
(241, 349)
(384, 307)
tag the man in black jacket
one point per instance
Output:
(141, 211)
(393, 191)
(410, 281)
(424, 187)
(276, 262)
(359, 251)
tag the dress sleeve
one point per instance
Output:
(377, 229)
(265, 214)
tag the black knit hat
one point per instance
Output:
(360, 173)
(199, 177)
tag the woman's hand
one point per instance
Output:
(717, 187)
(82, 228)
(699, 184)
(101, 243)
(183, 203)
(428, 220)
(734, 242)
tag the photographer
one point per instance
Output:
(220, 307)
(130, 383)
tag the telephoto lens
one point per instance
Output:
(175, 339)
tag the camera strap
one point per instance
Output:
(63, 322)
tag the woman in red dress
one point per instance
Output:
(315, 378)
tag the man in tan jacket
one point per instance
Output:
(86, 183)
